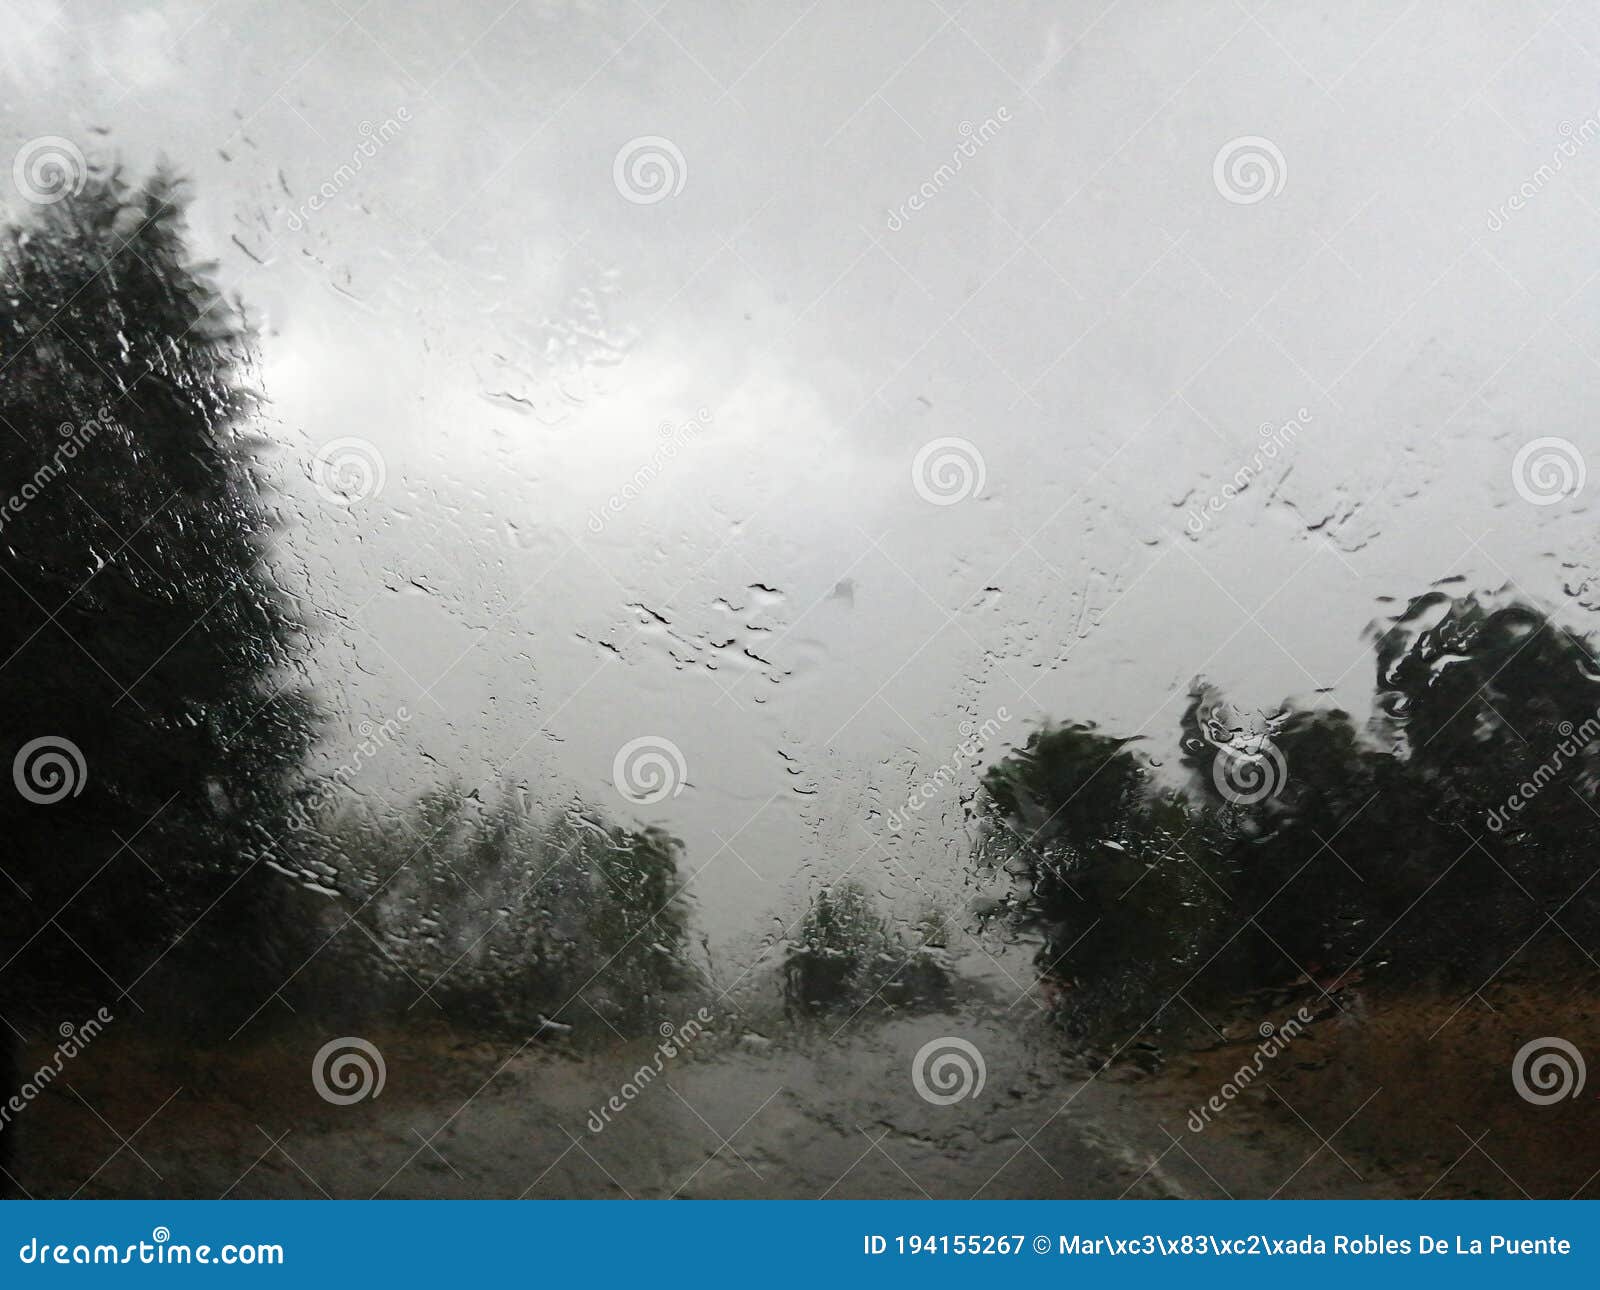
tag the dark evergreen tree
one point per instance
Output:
(141, 636)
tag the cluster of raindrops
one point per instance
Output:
(732, 638)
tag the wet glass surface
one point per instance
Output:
(692, 600)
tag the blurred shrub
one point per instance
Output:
(1435, 845)
(493, 915)
(844, 955)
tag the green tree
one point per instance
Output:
(1435, 844)
(1112, 872)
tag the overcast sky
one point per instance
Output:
(1086, 251)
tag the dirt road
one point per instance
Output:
(811, 1115)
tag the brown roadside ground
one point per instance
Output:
(1380, 1096)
